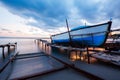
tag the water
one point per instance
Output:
(23, 45)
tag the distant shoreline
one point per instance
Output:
(24, 38)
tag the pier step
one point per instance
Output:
(30, 67)
(29, 55)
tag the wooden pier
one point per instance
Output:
(32, 65)
(50, 64)
(9, 45)
(70, 49)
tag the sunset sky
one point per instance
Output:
(42, 18)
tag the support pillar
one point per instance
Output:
(8, 48)
(3, 54)
(88, 56)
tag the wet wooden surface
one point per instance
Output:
(29, 66)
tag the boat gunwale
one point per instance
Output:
(109, 24)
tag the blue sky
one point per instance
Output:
(40, 18)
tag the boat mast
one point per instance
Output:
(68, 32)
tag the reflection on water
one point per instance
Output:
(23, 45)
(81, 56)
(44, 48)
(75, 56)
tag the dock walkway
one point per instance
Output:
(27, 66)
(36, 65)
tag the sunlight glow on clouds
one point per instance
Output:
(14, 25)
(47, 17)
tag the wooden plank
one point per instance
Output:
(29, 54)
(31, 67)
(108, 58)
(87, 74)
(10, 60)
(38, 74)
(33, 56)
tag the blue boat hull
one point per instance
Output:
(88, 36)
(89, 41)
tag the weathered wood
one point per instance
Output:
(10, 60)
(8, 46)
(87, 74)
(112, 59)
(33, 56)
(88, 56)
(39, 74)
(3, 54)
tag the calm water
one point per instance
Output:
(23, 45)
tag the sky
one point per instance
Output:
(42, 18)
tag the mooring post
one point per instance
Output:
(8, 48)
(3, 52)
(45, 47)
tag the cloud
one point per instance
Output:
(112, 8)
(97, 10)
(51, 14)
(18, 31)
(87, 9)
(4, 29)
(33, 30)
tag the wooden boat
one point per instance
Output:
(91, 36)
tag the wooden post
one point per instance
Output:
(16, 45)
(69, 53)
(45, 47)
(3, 52)
(88, 56)
(69, 33)
(48, 47)
(8, 48)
